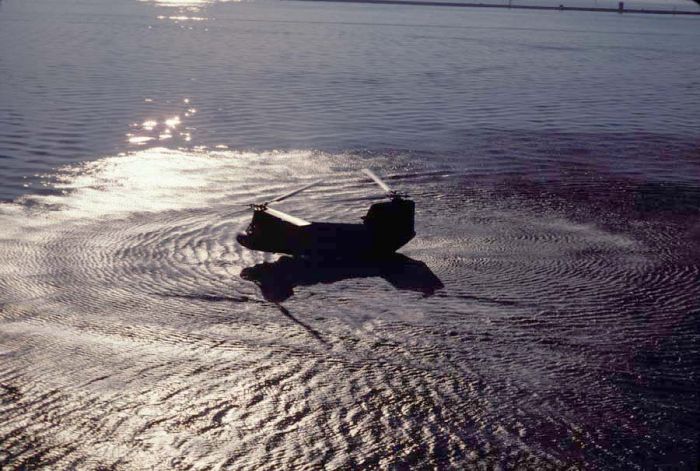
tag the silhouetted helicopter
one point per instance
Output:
(386, 227)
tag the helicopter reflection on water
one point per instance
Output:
(278, 279)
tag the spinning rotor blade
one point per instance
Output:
(377, 180)
(292, 193)
(287, 217)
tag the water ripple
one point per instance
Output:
(124, 293)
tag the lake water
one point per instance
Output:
(545, 316)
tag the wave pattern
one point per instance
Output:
(80, 81)
(563, 335)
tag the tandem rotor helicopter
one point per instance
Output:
(386, 227)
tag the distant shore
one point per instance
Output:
(513, 7)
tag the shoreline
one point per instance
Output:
(430, 3)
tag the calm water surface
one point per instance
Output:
(545, 317)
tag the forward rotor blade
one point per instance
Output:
(292, 193)
(376, 179)
(288, 217)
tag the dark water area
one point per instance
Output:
(544, 317)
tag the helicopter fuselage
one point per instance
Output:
(386, 227)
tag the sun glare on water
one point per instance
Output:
(190, 4)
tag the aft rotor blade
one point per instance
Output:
(287, 217)
(376, 179)
(292, 193)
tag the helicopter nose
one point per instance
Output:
(241, 237)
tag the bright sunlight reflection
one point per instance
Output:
(149, 180)
(159, 179)
(182, 18)
(138, 140)
(172, 122)
(192, 5)
(162, 129)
